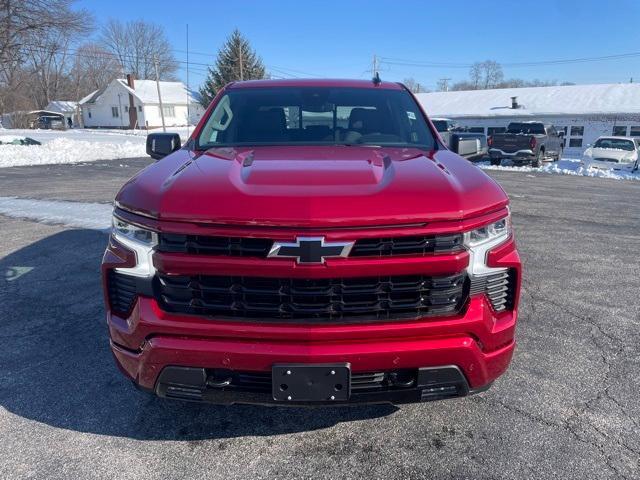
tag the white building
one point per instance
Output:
(109, 106)
(583, 112)
(66, 107)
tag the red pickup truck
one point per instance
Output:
(313, 242)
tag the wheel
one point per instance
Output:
(559, 156)
(538, 160)
(496, 161)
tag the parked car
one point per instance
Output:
(460, 140)
(526, 143)
(296, 262)
(15, 140)
(613, 153)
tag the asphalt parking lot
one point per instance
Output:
(569, 406)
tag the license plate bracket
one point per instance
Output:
(311, 383)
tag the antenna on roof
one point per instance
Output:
(376, 79)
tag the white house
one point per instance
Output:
(66, 107)
(583, 112)
(109, 107)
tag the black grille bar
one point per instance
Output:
(259, 247)
(499, 288)
(277, 299)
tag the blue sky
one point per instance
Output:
(339, 38)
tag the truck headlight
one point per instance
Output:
(480, 240)
(141, 241)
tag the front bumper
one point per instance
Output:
(478, 343)
(615, 166)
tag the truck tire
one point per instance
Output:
(559, 156)
(538, 160)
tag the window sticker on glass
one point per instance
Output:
(411, 115)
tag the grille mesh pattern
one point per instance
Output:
(371, 298)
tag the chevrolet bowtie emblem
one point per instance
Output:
(310, 249)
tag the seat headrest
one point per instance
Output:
(365, 120)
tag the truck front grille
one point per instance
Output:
(259, 247)
(345, 299)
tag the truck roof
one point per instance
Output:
(315, 82)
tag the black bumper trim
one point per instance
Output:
(195, 384)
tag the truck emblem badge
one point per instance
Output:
(310, 249)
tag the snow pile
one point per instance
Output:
(10, 138)
(66, 150)
(566, 166)
(95, 216)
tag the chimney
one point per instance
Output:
(133, 113)
(514, 103)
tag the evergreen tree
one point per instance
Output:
(236, 61)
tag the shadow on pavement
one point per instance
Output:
(57, 368)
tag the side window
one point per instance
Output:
(476, 129)
(577, 131)
(634, 131)
(619, 131)
(492, 130)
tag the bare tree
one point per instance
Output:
(93, 68)
(475, 74)
(413, 85)
(137, 45)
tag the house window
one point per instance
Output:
(126, 109)
(492, 130)
(140, 108)
(89, 112)
(577, 131)
(168, 111)
(114, 112)
(575, 142)
(620, 131)
(634, 131)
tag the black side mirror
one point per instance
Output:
(159, 145)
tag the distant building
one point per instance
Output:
(119, 105)
(583, 112)
(67, 108)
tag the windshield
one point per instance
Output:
(614, 143)
(316, 116)
(526, 128)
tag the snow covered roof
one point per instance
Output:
(147, 92)
(62, 106)
(172, 92)
(534, 101)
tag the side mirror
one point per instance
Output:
(159, 145)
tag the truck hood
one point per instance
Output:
(311, 187)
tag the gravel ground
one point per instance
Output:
(567, 408)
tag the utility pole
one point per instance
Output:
(374, 65)
(444, 83)
(155, 62)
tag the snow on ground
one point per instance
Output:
(77, 145)
(67, 150)
(566, 166)
(95, 216)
